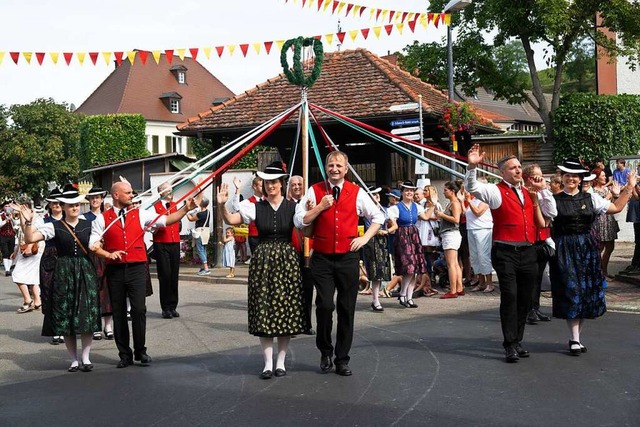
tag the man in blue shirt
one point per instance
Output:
(621, 172)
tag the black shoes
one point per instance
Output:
(174, 313)
(326, 364)
(309, 331)
(511, 355)
(144, 359)
(542, 317)
(166, 314)
(86, 367)
(73, 368)
(280, 372)
(377, 308)
(344, 370)
(521, 351)
(411, 304)
(403, 301)
(124, 362)
(575, 348)
(266, 375)
(532, 317)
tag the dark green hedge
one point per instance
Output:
(111, 138)
(591, 126)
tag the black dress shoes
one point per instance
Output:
(521, 351)
(124, 362)
(144, 359)
(266, 375)
(166, 314)
(280, 372)
(174, 313)
(86, 367)
(325, 363)
(511, 355)
(532, 317)
(377, 308)
(344, 370)
(542, 317)
(309, 331)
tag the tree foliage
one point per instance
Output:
(111, 138)
(591, 126)
(559, 25)
(205, 146)
(38, 144)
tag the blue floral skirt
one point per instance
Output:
(577, 282)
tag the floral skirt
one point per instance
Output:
(275, 291)
(376, 258)
(577, 282)
(409, 258)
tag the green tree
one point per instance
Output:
(559, 25)
(38, 144)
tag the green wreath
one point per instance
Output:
(297, 77)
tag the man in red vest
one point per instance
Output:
(121, 231)
(166, 246)
(516, 218)
(333, 209)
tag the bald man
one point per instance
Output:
(121, 231)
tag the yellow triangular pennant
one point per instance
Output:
(181, 53)
(353, 34)
(400, 27)
(376, 31)
(329, 38)
(356, 10)
(410, 16)
(27, 56)
(107, 57)
(371, 12)
(310, 3)
(326, 5)
(131, 55)
(54, 57)
(207, 52)
(341, 6)
(257, 47)
(423, 21)
(279, 43)
(81, 56)
(232, 48)
(1, 56)
(447, 19)
(384, 15)
(156, 55)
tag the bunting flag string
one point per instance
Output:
(409, 20)
(375, 14)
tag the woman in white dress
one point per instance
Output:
(26, 273)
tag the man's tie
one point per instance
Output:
(168, 205)
(123, 215)
(336, 193)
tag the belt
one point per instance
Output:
(512, 248)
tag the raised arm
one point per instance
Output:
(222, 198)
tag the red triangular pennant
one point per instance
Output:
(404, 16)
(194, 52)
(15, 56)
(349, 7)
(118, 56)
(335, 4)
(391, 13)
(341, 36)
(40, 57)
(143, 54)
(388, 29)
(267, 47)
(169, 53)
(365, 32)
(412, 25)
(303, 2)
(94, 57)
(67, 57)
(362, 10)
(318, 37)
(219, 49)
(436, 20)
(320, 2)
(378, 11)
(244, 48)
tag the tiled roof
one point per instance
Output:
(137, 89)
(485, 101)
(355, 83)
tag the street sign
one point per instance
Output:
(422, 168)
(405, 107)
(412, 137)
(405, 122)
(403, 131)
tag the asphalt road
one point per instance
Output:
(441, 364)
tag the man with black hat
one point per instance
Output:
(333, 207)
(516, 215)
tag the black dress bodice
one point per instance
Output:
(66, 245)
(275, 225)
(575, 214)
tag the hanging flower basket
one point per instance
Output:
(459, 117)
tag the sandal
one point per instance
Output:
(108, 334)
(97, 336)
(26, 307)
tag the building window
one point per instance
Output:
(175, 106)
(155, 144)
(177, 144)
(182, 77)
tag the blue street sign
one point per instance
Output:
(406, 122)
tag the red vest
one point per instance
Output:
(543, 234)
(117, 237)
(335, 228)
(170, 233)
(513, 222)
(253, 230)
(7, 229)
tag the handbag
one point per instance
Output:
(202, 233)
(29, 249)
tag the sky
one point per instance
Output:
(124, 25)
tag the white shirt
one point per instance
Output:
(490, 194)
(146, 217)
(478, 222)
(364, 207)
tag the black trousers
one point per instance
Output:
(128, 281)
(333, 273)
(168, 266)
(7, 245)
(517, 269)
(537, 286)
(635, 261)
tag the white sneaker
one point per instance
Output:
(206, 272)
